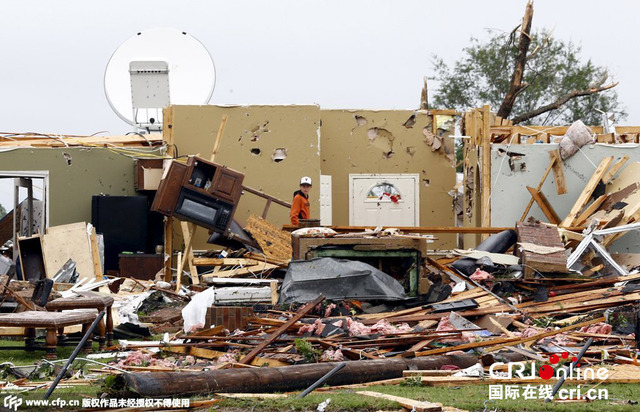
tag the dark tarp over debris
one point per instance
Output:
(337, 279)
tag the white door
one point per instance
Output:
(384, 200)
(325, 200)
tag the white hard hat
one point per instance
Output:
(305, 181)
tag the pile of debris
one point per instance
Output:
(252, 320)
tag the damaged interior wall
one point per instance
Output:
(75, 174)
(525, 166)
(391, 141)
(273, 146)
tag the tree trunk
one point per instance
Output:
(516, 85)
(281, 379)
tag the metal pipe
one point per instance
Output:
(322, 380)
(571, 366)
(75, 353)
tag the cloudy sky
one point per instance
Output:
(339, 54)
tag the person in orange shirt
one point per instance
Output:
(300, 205)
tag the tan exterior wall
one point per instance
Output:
(261, 129)
(349, 146)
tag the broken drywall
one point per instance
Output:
(509, 195)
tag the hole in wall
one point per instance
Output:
(67, 157)
(410, 121)
(372, 134)
(426, 182)
(257, 131)
(279, 154)
(255, 151)
(360, 120)
(411, 150)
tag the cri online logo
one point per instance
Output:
(517, 370)
(546, 371)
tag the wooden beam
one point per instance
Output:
(188, 232)
(587, 191)
(299, 315)
(167, 136)
(558, 171)
(591, 209)
(544, 204)
(410, 404)
(614, 169)
(486, 167)
(412, 229)
(555, 130)
(216, 145)
(179, 273)
(446, 112)
(545, 334)
(538, 188)
(214, 354)
(224, 262)
(504, 342)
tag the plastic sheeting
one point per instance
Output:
(337, 279)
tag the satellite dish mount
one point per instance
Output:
(154, 69)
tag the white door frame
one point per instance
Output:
(325, 194)
(36, 174)
(382, 176)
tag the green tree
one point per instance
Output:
(3, 211)
(555, 85)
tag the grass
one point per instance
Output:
(470, 397)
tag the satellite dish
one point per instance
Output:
(153, 69)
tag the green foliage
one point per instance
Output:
(305, 348)
(544, 322)
(412, 381)
(554, 68)
(3, 211)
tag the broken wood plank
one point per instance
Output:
(254, 395)
(614, 169)
(504, 342)
(587, 192)
(274, 242)
(214, 354)
(260, 257)
(544, 204)
(538, 188)
(411, 404)
(188, 233)
(299, 315)
(224, 262)
(558, 171)
(591, 209)
(249, 270)
(544, 334)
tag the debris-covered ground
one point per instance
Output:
(534, 312)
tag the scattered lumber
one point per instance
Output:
(410, 404)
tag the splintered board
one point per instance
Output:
(275, 243)
(72, 241)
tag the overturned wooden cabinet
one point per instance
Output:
(200, 192)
